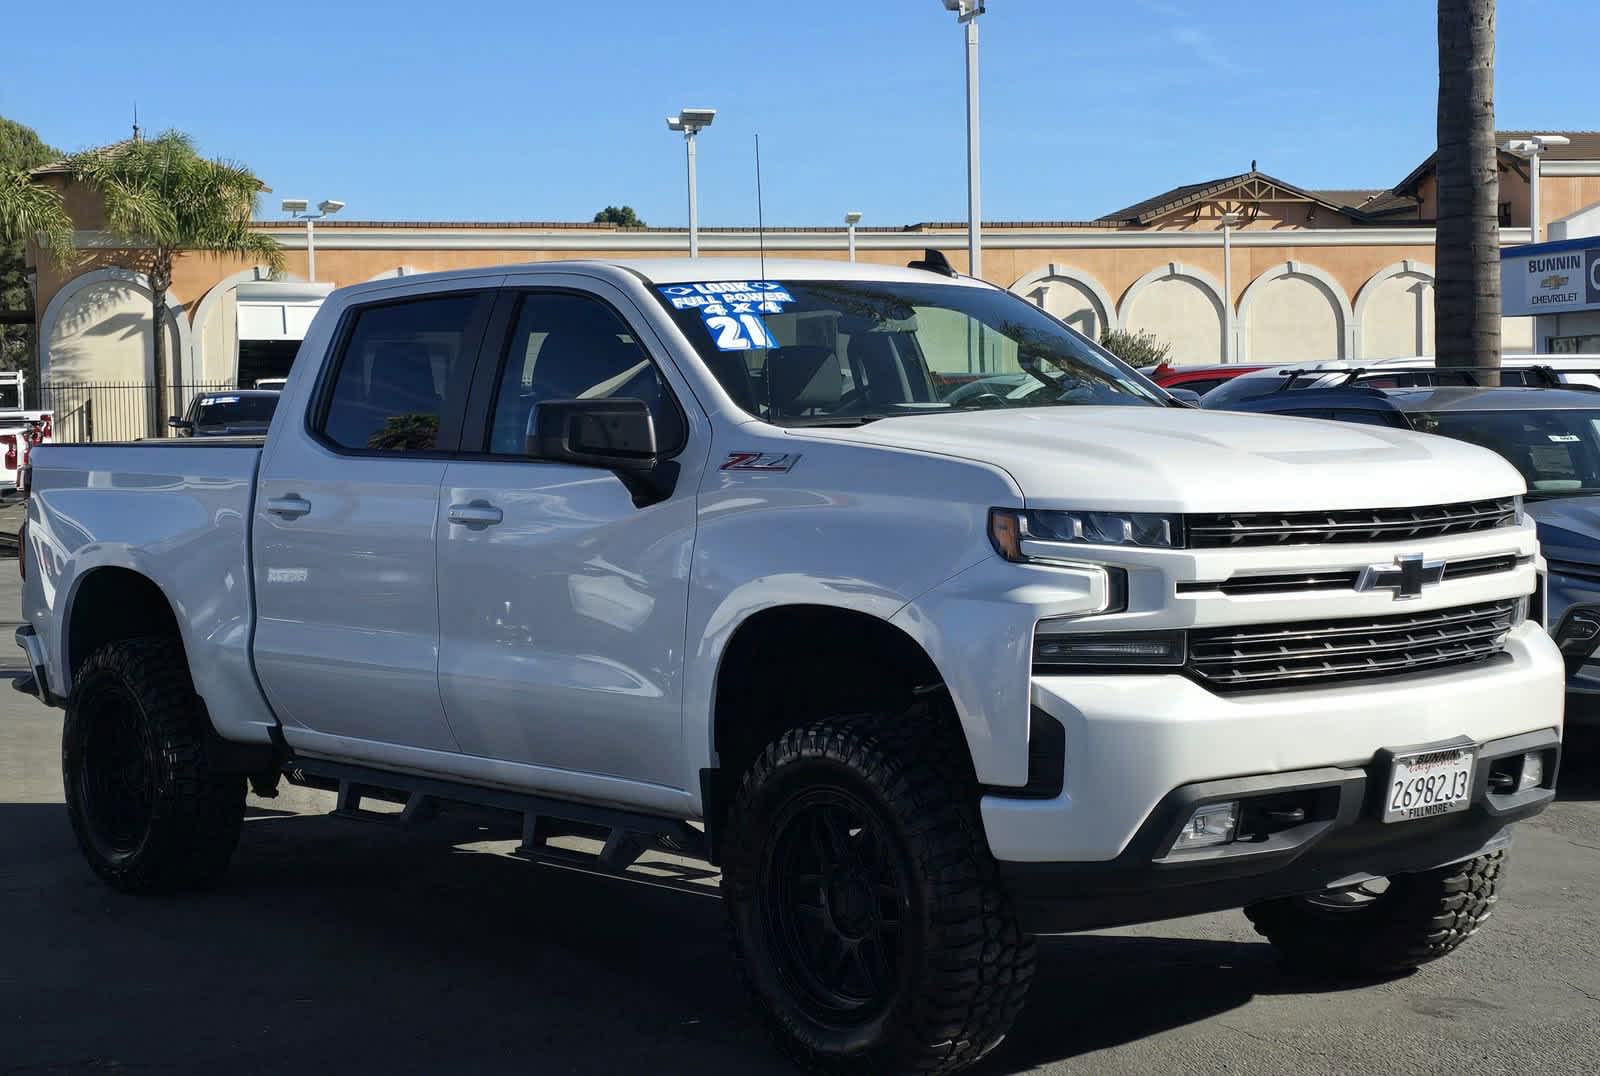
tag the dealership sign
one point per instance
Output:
(1551, 278)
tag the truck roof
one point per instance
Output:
(691, 270)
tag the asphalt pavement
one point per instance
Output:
(347, 946)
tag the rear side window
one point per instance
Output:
(403, 369)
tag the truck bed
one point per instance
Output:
(177, 511)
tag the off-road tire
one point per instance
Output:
(962, 967)
(1421, 917)
(134, 700)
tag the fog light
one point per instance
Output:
(1532, 771)
(1213, 824)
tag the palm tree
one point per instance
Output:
(161, 197)
(1466, 298)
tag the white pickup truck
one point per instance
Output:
(700, 556)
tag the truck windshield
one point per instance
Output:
(230, 410)
(845, 352)
(1558, 452)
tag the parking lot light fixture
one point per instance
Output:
(967, 12)
(851, 219)
(300, 209)
(1531, 149)
(1229, 222)
(691, 121)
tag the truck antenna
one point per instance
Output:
(761, 216)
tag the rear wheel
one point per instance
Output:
(147, 811)
(866, 913)
(1385, 926)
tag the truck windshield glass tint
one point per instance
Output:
(850, 352)
(394, 372)
(1558, 452)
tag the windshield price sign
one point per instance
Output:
(732, 309)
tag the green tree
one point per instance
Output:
(162, 197)
(621, 216)
(1466, 297)
(26, 209)
(1135, 348)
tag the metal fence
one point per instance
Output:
(114, 411)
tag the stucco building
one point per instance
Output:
(1311, 274)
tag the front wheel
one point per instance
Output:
(866, 912)
(1382, 927)
(148, 812)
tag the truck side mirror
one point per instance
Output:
(617, 434)
(181, 425)
(1187, 397)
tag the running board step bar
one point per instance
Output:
(627, 834)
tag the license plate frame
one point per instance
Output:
(1430, 782)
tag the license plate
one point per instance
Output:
(1429, 783)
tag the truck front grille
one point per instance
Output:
(1230, 530)
(1342, 650)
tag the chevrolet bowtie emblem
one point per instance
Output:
(1407, 578)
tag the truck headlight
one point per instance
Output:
(1009, 528)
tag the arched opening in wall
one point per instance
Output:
(1394, 312)
(1181, 309)
(1293, 313)
(1076, 298)
(96, 356)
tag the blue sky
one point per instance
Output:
(547, 111)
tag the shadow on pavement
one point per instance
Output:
(337, 943)
(1579, 781)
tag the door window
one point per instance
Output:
(403, 370)
(572, 347)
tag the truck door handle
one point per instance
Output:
(476, 514)
(291, 507)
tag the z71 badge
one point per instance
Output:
(761, 461)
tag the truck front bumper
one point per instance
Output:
(1134, 742)
(1339, 842)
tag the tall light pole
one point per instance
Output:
(1229, 220)
(691, 121)
(967, 12)
(298, 208)
(1531, 149)
(851, 219)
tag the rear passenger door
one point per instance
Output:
(347, 628)
(563, 602)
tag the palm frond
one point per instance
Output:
(163, 193)
(29, 209)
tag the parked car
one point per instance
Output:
(275, 383)
(620, 546)
(1552, 436)
(20, 429)
(1516, 369)
(1197, 379)
(237, 413)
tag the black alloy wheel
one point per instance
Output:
(834, 907)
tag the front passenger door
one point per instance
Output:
(562, 603)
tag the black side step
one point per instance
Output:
(627, 834)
